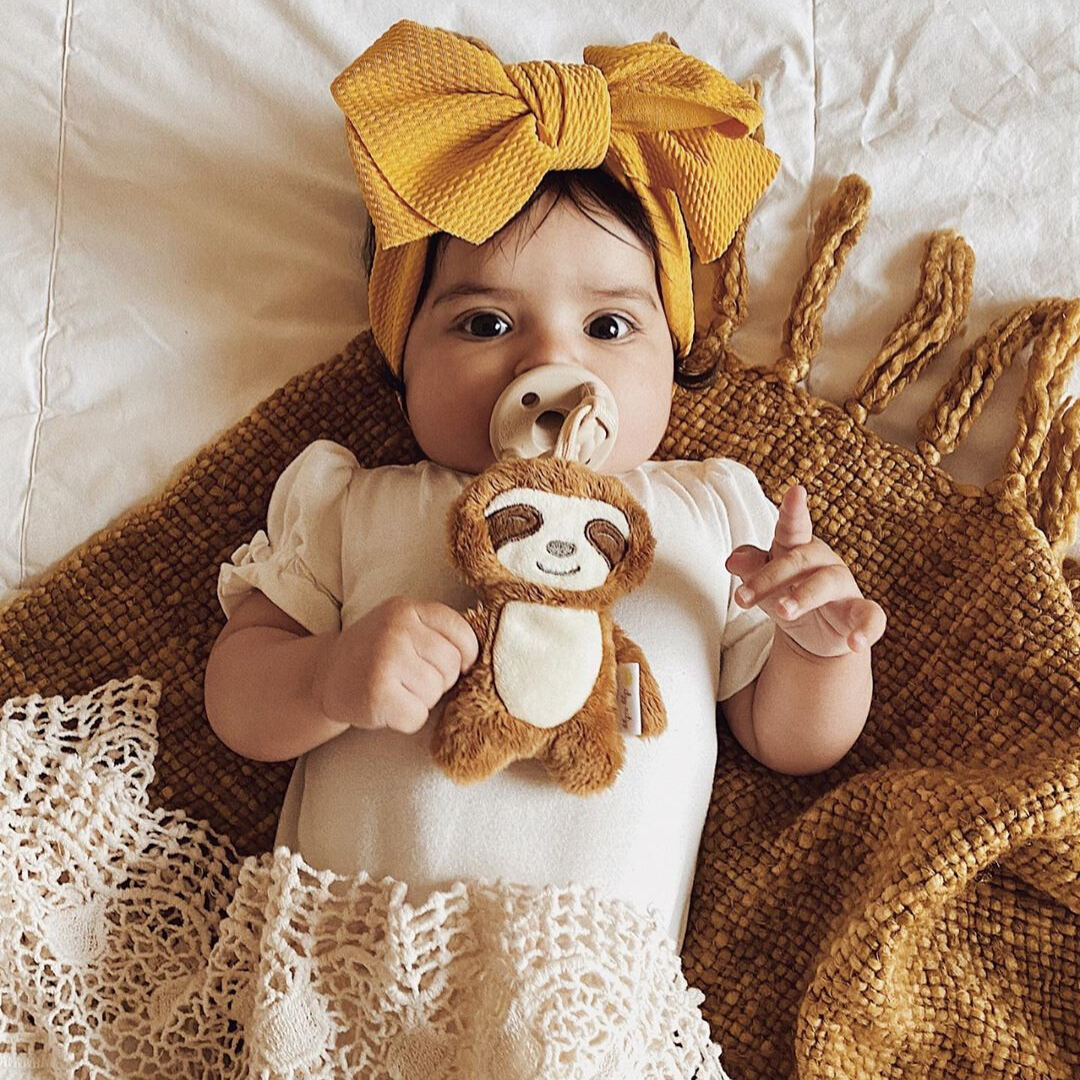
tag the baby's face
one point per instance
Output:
(514, 310)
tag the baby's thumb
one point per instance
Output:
(745, 560)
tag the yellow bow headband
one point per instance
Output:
(446, 138)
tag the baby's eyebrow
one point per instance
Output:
(624, 292)
(617, 292)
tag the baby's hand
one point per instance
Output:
(805, 587)
(390, 668)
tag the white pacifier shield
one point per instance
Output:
(531, 412)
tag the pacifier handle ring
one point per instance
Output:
(585, 408)
(571, 443)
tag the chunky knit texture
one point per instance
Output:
(915, 911)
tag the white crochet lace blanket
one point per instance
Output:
(137, 943)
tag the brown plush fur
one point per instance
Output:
(476, 734)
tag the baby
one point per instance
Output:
(344, 623)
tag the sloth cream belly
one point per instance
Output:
(546, 661)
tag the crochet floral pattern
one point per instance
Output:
(137, 943)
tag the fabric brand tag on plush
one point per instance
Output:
(628, 692)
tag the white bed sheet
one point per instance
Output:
(180, 226)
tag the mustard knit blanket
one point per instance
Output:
(914, 912)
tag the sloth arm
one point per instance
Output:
(483, 620)
(653, 714)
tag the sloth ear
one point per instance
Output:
(607, 539)
(513, 523)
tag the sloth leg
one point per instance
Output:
(476, 736)
(586, 753)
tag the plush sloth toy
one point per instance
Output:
(549, 546)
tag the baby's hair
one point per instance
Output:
(588, 189)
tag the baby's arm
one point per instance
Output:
(273, 691)
(809, 704)
(258, 686)
(803, 713)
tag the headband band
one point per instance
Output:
(446, 138)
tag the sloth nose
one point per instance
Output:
(561, 548)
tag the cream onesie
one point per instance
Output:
(341, 539)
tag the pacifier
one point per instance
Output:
(555, 410)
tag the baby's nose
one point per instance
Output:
(561, 548)
(546, 348)
(543, 359)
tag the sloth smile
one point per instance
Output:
(559, 573)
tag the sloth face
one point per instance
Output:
(559, 540)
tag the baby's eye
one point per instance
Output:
(485, 320)
(608, 334)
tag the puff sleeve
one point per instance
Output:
(296, 560)
(751, 517)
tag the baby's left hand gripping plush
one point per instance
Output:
(549, 546)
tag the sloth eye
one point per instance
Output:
(607, 540)
(513, 523)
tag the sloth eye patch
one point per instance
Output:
(607, 539)
(513, 523)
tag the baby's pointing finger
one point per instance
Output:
(794, 526)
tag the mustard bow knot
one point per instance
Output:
(444, 137)
(572, 109)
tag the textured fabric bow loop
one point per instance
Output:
(655, 86)
(445, 138)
